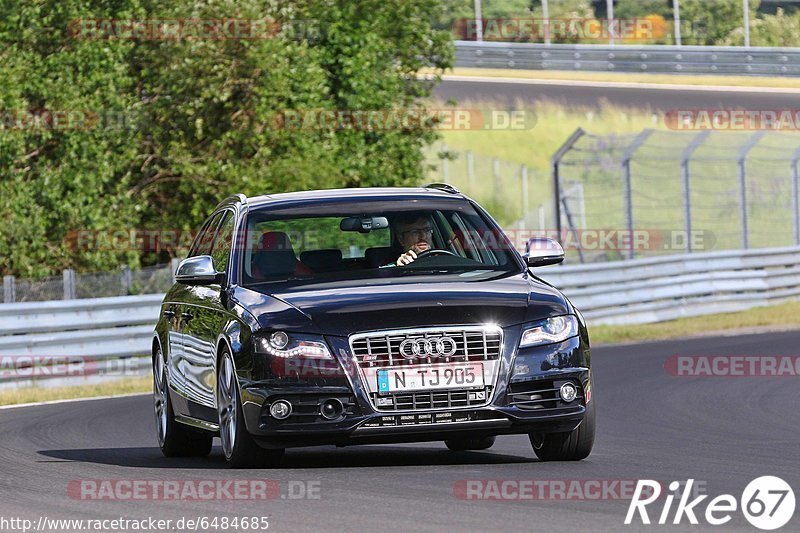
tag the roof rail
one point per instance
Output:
(446, 187)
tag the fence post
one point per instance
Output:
(127, 280)
(555, 171)
(497, 181)
(694, 144)
(751, 142)
(525, 206)
(445, 165)
(174, 267)
(628, 191)
(795, 192)
(9, 289)
(69, 284)
(471, 171)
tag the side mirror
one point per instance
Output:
(197, 271)
(541, 251)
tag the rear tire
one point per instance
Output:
(174, 439)
(461, 445)
(570, 446)
(240, 450)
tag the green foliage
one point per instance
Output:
(713, 22)
(197, 116)
(780, 29)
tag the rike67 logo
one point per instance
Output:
(767, 502)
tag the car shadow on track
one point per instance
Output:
(320, 457)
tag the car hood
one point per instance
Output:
(346, 307)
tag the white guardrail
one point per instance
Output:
(626, 292)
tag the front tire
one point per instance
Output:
(174, 438)
(472, 444)
(240, 450)
(573, 445)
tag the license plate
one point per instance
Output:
(430, 377)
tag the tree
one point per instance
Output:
(199, 114)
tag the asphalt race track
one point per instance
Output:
(723, 431)
(592, 95)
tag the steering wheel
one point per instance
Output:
(434, 253)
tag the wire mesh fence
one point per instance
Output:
(686, 191)
(149, 280)
(516, 195)
(652, 193)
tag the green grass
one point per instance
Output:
(637, 77)
(782, 316)
(35, 393)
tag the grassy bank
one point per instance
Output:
(45, 394)
(632, 77)
(783, 316)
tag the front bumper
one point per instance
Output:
(522, 401)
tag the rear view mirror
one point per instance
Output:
(541, 251)
(363, 224)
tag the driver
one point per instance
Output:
(414, 233)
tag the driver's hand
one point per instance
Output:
(406, 258)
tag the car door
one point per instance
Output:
(205, 317)
(175, 316)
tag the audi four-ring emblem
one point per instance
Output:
(428, 347)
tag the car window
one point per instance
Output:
(223, 242)
(205, 238)
(329, 242)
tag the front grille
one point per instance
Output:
(542, 395)
(381, 349)
(408, 401)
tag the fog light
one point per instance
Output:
(280, 409)
(568, 392)
(331, 409)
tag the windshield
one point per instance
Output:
(369, 240)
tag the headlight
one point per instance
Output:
(554, 329)
(282, 344)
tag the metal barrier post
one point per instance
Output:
(9, 289)
(795, 192)
(174, 264)
(628, 191)
(127, 280)
(524, 176)
(445, 165)
(69, 284)
(471, 170)
(751, 142)
(555, 164)
(687, 192)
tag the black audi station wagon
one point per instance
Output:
(362, 316)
